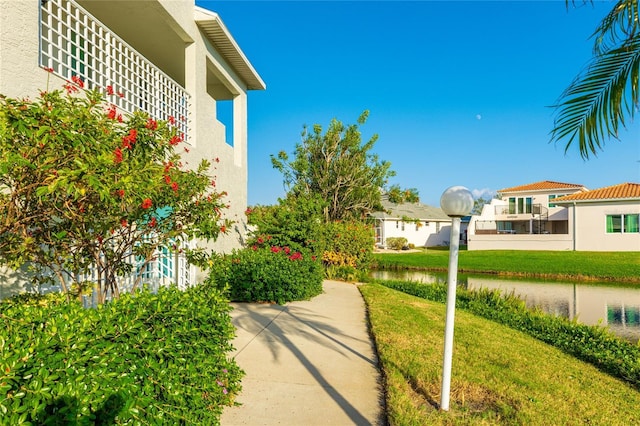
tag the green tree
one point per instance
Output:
(82, 189)
(398, 195)
(606, 93)
(338, 167)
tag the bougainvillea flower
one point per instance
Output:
(120, 193)
(153, 222)
(175, 140)
(171, 120)
(167, 178)
(223, 229)
(174, 186)
(287, 250)
(275, 249)
(147, 203)
(109, 90)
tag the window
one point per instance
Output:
(528, 205)
(623, 223)
(512, 205)
(397, 224)
(402, 226)
(552, 197)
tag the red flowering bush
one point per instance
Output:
(267, 273)
(83, 187)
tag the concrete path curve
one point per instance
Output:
(307, 363)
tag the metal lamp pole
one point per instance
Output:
(456, 202)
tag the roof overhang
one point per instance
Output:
(220, 37)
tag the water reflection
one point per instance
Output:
(617, 308)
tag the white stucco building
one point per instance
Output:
(169, 58)
(551, 215)
(420, 224)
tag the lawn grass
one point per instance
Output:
(499, 375)
(570, 265)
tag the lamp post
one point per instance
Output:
(456, 202)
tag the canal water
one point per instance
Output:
(615, 307)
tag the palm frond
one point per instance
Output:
(620, 25)
(599, 100)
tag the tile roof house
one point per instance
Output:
(605, 219)
(551, 215)
(169, 58)
(422, 225)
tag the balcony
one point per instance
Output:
(75, 43)
(538, 211)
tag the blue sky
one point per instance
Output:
(458, 92)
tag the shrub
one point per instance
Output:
(589, 343)
(144, 359)
(396, 243)
(346, 249)
(264, 273)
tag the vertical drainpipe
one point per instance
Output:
(574, 226)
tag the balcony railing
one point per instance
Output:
(75, 43)
(534, 209)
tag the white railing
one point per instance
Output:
(74, 43)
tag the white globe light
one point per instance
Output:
(456, 201)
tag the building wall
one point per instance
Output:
(590, 226)
(435, 233)
(520, 242)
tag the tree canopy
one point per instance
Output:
(338, 167)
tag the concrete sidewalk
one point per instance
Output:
(307, 363)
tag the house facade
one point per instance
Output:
(544, 216)
(169, 58)
(605, 219)
(420, 224)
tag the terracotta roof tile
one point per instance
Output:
(621, 191)
(543, 185)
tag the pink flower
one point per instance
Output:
(254, 248)
(275, 249)
(260, 240)
(287, 250)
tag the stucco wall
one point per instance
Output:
(423, 236)
(520, 242)
(591, 231)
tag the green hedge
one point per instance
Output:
(590, 343)
(143, 359)
(264, 273)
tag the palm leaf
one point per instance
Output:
(598, 101)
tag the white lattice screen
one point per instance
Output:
(74, 43)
